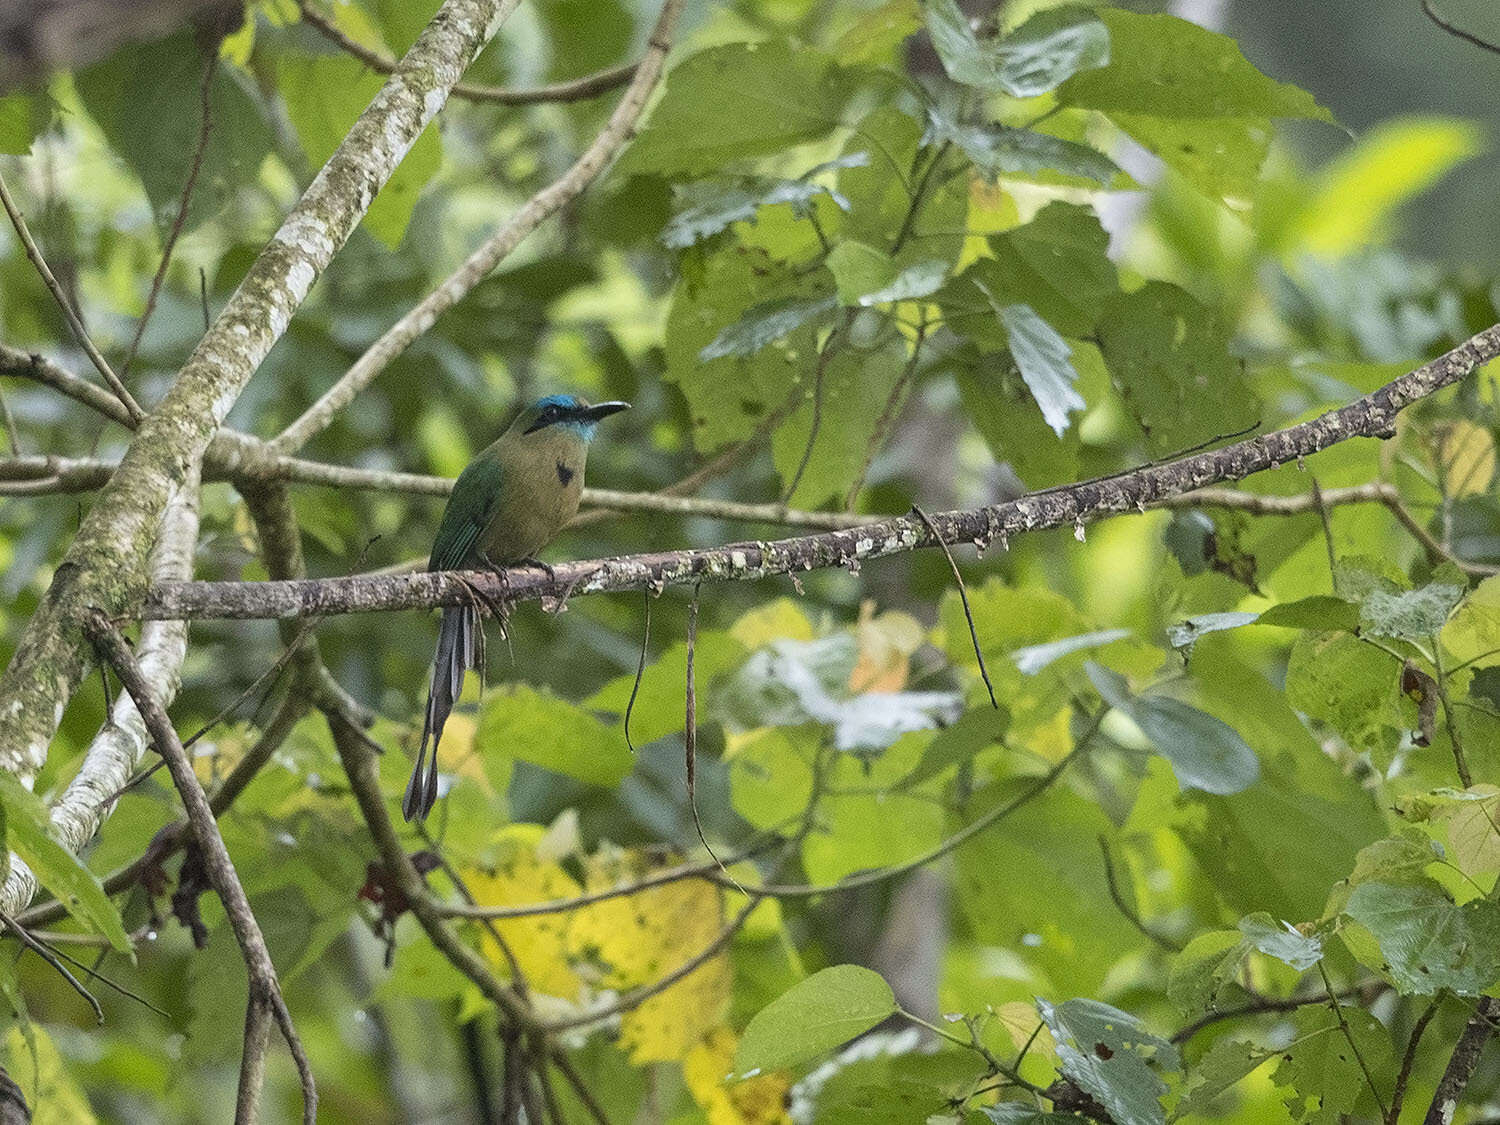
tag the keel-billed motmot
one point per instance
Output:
(506, 506)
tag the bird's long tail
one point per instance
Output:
(460, 646)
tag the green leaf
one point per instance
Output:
(22, 117)
(708, 208)
(1323, 1069)
(858, 269)
(765, 324)
(1166, 66)
(1472, 634)
(921, 279)
(1350, 685)
(1321, 612)
(1015, 1113)
(1033, 658)
(1283, 942)
(1206, 967)
(659, 709)
(1220, 156)
(324, 94)
(1221, 1068)
(1415, 615)
(535, 726)
(1428, 943)
(1000, 150)
(1110, 1055)
(1206, 753)
(1183, 634)
(855, 392)
(736, 101)
(1043, 357)
(1170, 355)
(1043, 52)
(729, 398)
(28, 832)
(818, 1014)
(771, 774)
(1057, 263)
(957, 744)
(141, 97)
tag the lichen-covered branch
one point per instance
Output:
(497, 247)
(573, 90)
(1373, 416)
(265, 1002)
(105, 567)
(121, 744)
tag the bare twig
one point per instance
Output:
(497, 247)
(573, 90)
(1338, 1013)
(1408, 1060)
(1467, 36)
(11, 433)
(205, 127)
(265, 991)
(640, 670)
(80, 333)
(1371, 415)
(52, 959)
(690, 738)
(963, 596)
(1124, 908)
(28, 365)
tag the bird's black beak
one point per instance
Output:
(603, 410)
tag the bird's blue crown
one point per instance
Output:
(566, 405)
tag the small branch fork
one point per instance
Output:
(1373, 415)
(265, 1001)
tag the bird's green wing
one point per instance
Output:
(475, 494)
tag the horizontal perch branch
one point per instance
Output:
(1373, 415)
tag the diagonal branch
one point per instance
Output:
(121, 744)
(1373, 415)
(70, 314)
(573, 90)
(497, 247)
(265, 1000)
(105, 567)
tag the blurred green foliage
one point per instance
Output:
(869, 251)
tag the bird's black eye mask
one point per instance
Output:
(550, 415)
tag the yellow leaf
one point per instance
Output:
(539, 942)
(1466, 453)
(775, 620)
(757, 1101)
(885, 647)
(1392, 163)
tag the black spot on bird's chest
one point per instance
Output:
(564, 475)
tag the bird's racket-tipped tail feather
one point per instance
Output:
(459, 648)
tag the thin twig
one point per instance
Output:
(638, 996)
(205, 127)
(690, 738)
(1124, 908)
(1408, 1060)
(572, 90)
(1467, 36)
(580, 1087)
(640, 670)
(11, 433)
(498, 246)
(265, 990)
(55, 961)
(1338, 1012)
(819, 370)
(69, 314)
(963, 596)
